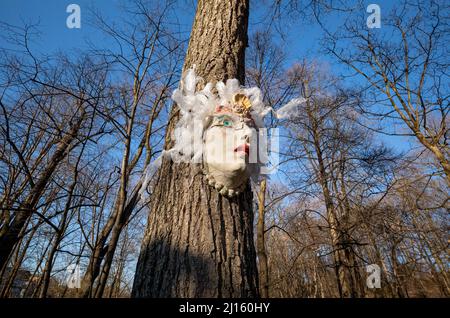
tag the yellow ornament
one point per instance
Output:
(242, 104)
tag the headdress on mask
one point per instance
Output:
(199, 106)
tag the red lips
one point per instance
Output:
(243, 148)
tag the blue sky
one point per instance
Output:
(302, 38)
(51, 18)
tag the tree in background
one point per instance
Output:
(404, 65)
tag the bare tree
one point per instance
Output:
(405, 66)
(147, 55)
(29, 84)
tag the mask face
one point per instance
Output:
(227, 150)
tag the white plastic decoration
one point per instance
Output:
(220, 130)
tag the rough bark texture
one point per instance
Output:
(261, 241)
(199, 243)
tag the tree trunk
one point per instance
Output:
(18, 260)
(199, 243)
(340, 263)
(11, 233)
(58, 237)
(260, 242)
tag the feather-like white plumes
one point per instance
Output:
(189, 82)
(291, 109)
(195, 107)
(228, 90)
(258, 110)
(149, 173)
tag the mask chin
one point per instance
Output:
(228, 184)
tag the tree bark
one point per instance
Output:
(199, 243)
(261, 242)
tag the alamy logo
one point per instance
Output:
(73, 21)
(373, 20)
(73, 276)
(374, 278)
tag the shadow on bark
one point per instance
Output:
(177, 273)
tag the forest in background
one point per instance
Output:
(77, 132)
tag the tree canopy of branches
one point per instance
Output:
(78, 131)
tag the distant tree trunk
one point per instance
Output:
(59, 235)
(199, 243)
(348, 249)
(10, 234)
(339, 259)
(399, 281)
(260, 242)
(17, 263)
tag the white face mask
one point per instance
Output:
(226, 152)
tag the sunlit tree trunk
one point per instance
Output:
(199, 243)
(340, 263)
(10, 234)
(261, 242)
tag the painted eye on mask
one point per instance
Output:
(227, 123)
